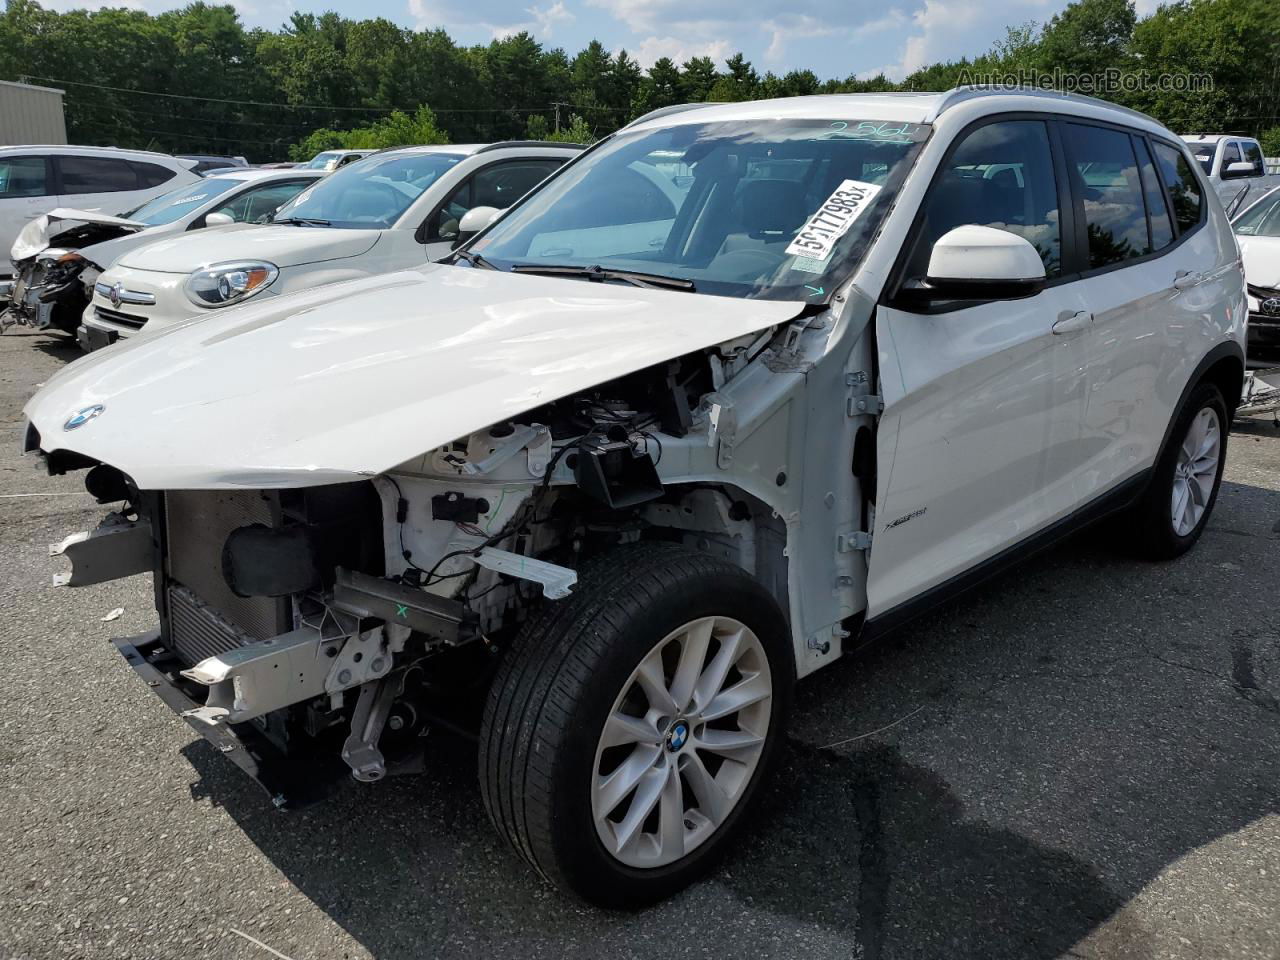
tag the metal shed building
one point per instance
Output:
(30, 114)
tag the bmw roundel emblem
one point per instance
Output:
(83, 416)
(678, 736)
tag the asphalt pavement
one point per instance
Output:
(1081, 759)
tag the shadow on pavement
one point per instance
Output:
(1085, 722)
(60, 346)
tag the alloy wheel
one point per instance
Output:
(1196, 471)
(681, 743)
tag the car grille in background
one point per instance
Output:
(205, 617)
(107, 315)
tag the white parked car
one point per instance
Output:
(641, 457)
(397, 209)
(60, 256)
(1258, 232)
(36, 179)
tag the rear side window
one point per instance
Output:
(1001, 175)
(1157, 211)
(1183, 187)
(96, 175)
(150, 174)
(23, 177)
(1105, 171)
(1230, 154)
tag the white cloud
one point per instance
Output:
(548, 18)
(792, 26)
(62, 6)
(653, 49)
(429, 14)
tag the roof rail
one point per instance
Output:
(667, 111)
(507, 144)
(958, 95)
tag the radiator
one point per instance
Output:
(205, 617)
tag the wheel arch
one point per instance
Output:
(1226, 372)
(1222, 366)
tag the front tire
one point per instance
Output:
(1173, 512)
(629, 728)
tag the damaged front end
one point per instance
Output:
(54, 272)
(328, 593)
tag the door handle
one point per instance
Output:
(1185, 278)
(1069, 322)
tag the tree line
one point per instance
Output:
(195, 80)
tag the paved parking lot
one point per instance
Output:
(1080, 760)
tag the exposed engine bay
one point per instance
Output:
(53, 280)
(317, 617)
(345, 620)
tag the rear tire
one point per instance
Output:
(1171, 515)
(592, 696)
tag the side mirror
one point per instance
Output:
(982, 263)
(475, 220)
(219, 220)
(1241, 168)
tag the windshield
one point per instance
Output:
(176, 204)
(370, 194)
(1262, 219)
(762, 208)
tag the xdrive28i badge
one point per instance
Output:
(83, 416)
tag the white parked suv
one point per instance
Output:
(395, 209)
(607, 484)
(36, 179)
(59, 256)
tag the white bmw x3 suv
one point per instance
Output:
(740, 387)
(395, 209)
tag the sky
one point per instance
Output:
(833, 38)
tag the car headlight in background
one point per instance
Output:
(226, 283)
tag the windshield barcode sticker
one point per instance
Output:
(818, 237)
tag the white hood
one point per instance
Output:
(284, 246)
(1261, 261)
(355, 378)
(34, 237)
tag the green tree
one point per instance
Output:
(1088, 37)
(740, 83)
(578, 131)
(697, 80)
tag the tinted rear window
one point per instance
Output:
(1184, 188)
(96, 175)
(1107, 180)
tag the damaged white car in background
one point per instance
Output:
(602, 487)
(59, 256)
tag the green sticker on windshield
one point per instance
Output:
(808, 265)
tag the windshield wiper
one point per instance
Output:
(303, 221)
(599, 274)
(474, 259)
